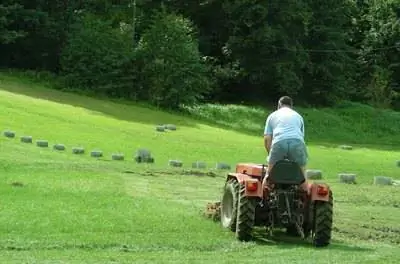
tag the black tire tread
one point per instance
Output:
(323, 220)
(245, 216)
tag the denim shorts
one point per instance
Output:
(293, 149)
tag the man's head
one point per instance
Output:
(285, 101)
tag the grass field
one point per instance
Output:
(78, 209)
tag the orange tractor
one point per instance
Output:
(285, 199)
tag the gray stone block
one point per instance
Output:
(160, 128)
(42, 143)
(347, 178)
(170, 127)
(9, 134)
(383, 180)
(314, 174)
(26, 139)
(78, 150)
(199, 165)
(117, 156)
(346, 147)
(60, 147)
(222, 166)
(96, 153)
(143, 156)
(175, 163)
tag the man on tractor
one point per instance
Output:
(284, 135)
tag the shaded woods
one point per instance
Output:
(176, 52)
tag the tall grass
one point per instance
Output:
(349, 123)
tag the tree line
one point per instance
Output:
(176, 52)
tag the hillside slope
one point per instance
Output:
(79, 121)
(77, 209)
(349, 123)
(73, 120)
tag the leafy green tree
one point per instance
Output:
(329, 68)
(99, 58)
(172, 71)
(266, 38)
(380, 52)
(7, 18)
(316, 51)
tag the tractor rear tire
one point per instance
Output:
(323, 221)
(229, 204)
(245, 215)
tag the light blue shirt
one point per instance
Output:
(284, 123)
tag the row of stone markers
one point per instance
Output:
(141, 155)
(144, 156)
(350, 178)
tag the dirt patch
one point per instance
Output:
(372, 203)
(143, 173)
(199, 173)
(190, 172)
(383, 229)
(212, 211)
(371, 232)
(17, 184)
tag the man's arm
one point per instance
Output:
(302, 127)
(267, 142)
(268, 134)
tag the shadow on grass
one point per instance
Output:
(281, 240)
(119, 109)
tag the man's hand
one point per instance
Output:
(267, 142)
(268, 132)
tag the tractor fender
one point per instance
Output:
(313, 192)
(243, 179)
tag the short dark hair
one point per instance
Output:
(286, 100)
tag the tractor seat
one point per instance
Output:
(286, 172)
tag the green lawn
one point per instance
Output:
(76, 209)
